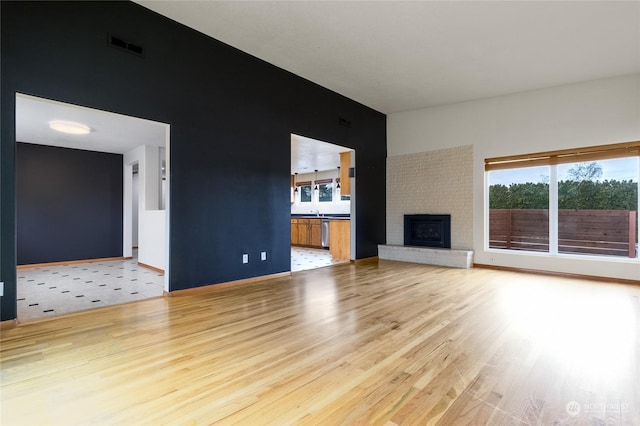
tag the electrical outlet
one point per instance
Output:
(263, 255)
(1, 289)
(245, 258)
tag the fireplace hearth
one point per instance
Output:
(427, 230)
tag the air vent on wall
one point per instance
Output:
(127, 46)
(344, 122)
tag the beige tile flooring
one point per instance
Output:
(61, 289)
(57, 290)
(303, 258)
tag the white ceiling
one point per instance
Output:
(396, 56)
(308, 155)
(114, 133)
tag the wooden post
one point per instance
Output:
(508, 222)
(632, 234)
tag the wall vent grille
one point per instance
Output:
(344, 122)
(124, 45)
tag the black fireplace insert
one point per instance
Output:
(428, 230)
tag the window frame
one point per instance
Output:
(319, 183)
(553, 159)
(301, 185)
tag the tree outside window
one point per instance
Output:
(325, 192)
(305, 193)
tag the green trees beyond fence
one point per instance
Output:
(578, 195)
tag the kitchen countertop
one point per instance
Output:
(327, 216)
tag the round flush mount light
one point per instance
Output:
(70, 127)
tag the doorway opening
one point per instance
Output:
(322, 203)
(78, 245)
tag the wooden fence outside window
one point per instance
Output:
(601, 232)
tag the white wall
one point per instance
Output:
(151, 250)
(336, 206)
(591, 113)
(135, 182)
(152, 225)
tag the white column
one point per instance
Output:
(553, 209)
(152, 178)
(127, 209)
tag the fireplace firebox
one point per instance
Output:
(427, 230)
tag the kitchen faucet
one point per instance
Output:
(317, 212)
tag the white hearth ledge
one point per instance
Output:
(453, 258)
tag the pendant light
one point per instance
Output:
(295, 183)
(316, 181)
(338, 185)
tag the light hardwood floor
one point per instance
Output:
(388, 343)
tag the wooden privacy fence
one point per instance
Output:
(604, 232)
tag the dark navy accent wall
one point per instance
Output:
(231, 116)
(68, 204)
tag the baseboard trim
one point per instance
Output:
(558, 274)
(213, 287)
(365, 260)
(8, 324)
(153, 268)
(70, 262)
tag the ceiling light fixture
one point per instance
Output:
(295, 182)
(338, 185)
(316, 181)
(70, 127)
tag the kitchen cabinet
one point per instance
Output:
(340, 239)
(315, 233)
(345, 165)
(303, 232)
(295, 231)
(306, 232)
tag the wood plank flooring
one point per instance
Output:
(387, 344)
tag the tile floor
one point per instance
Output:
(303, 258)
(57, 290)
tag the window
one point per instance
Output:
(519, 209)
(325, 192)
(305, 193)
(597, 207)
(554, 203)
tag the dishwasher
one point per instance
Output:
(325, 233)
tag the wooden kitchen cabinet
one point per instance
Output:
(315, 233)
(303, 232)
(345, 165)
(295, 231)
(306, 232)
(340, 239)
